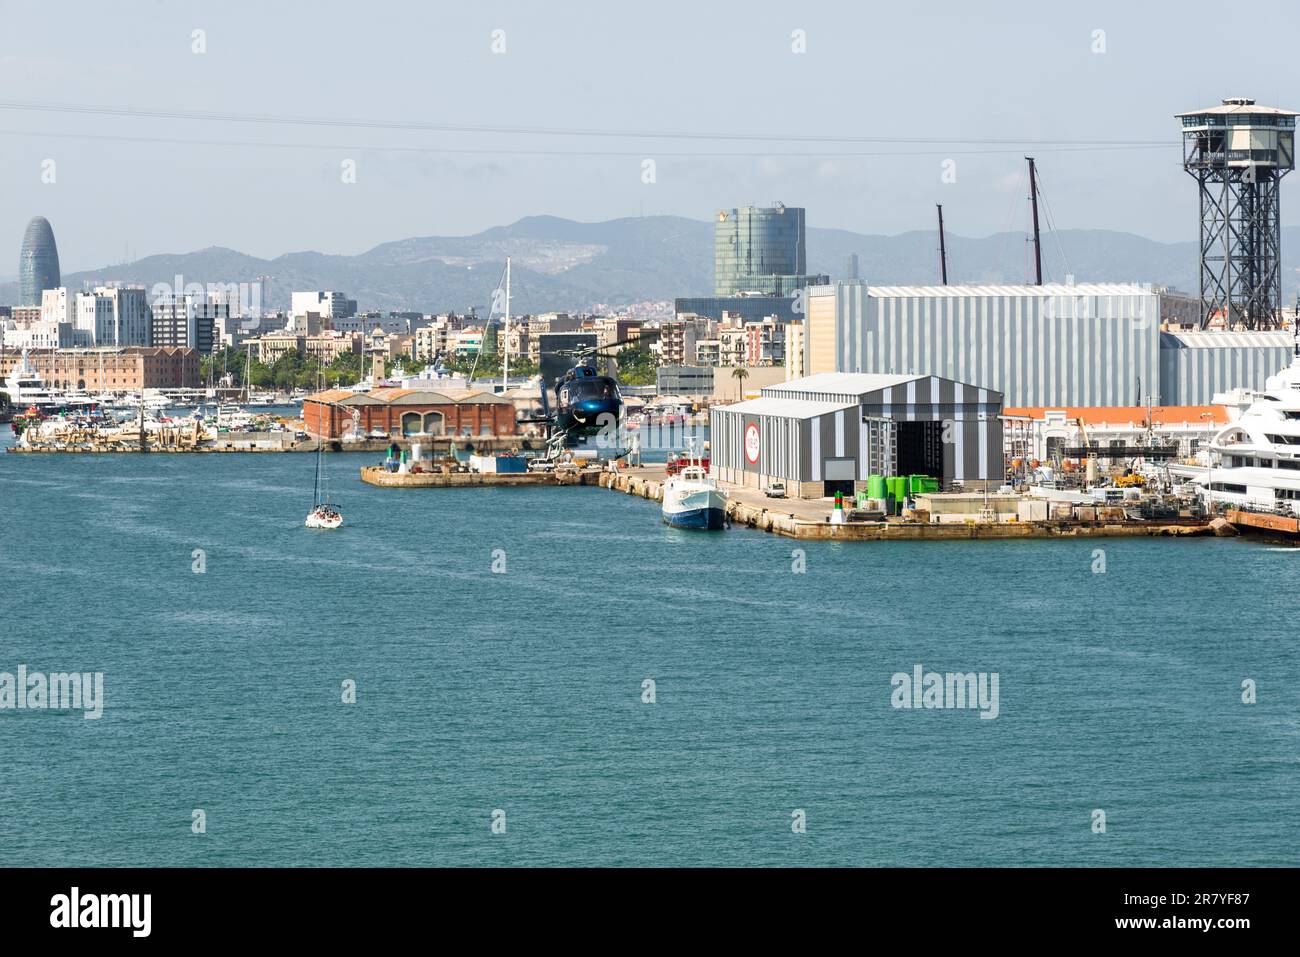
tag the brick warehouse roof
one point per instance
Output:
(393, 396)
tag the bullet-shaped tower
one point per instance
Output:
(1238, 153)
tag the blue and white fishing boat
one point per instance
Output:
(693, 500)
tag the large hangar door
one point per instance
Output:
(920, 448)
(838, 475)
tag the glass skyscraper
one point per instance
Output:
(759, 250)
(38, 263)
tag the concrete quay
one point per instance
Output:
(797, 518)
(808, 519)
(378, 476)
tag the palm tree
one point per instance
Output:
(740, 374)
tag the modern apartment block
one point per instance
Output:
(186, 321)
(114, 316)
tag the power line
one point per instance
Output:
(409, 126)
(494, 151)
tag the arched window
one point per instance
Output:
(433, 423)
(411, 423)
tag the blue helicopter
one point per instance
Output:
(585, 402)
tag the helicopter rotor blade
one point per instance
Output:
(584, 352)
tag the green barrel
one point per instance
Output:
(876, 486)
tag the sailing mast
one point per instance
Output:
(505, 375)
(315, 492)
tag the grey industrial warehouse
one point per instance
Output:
(1094, 344)
(826, 433)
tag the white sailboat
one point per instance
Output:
(324, 513)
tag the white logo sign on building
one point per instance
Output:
(751, 443)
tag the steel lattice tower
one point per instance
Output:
(1238, 153)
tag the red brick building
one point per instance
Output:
(339, 412)
(111, 370)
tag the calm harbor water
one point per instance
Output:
(523, 691)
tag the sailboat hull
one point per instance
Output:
(319, 520)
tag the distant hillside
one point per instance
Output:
(561, 264)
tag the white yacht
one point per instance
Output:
(1255, 460)
(26, 388)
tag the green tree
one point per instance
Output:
(637, 366)
(740, 374)
(346, 369)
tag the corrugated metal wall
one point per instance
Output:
(780, 442)
(1079, 349)
(1195, 365)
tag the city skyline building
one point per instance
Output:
(38, 262)
(759, 249)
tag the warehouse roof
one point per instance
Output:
(1128, 415)
(848, 383)
(787, 408)
(1027, 291)
(1210, 339)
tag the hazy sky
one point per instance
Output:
(958, 75)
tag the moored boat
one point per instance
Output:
(1254, 462)
(693, 500)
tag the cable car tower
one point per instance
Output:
(1238, 152)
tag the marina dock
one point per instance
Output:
(379, 476)
(182, 438)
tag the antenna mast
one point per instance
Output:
(1038, 246)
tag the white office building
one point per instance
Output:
(33, 334)
(327, 305)
(59, 305)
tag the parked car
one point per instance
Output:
(775, 490)
(378, 434)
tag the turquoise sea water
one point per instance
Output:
(522, 691)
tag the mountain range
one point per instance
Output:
(559, 264)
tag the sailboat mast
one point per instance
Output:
(317, 497)
(505, 375)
